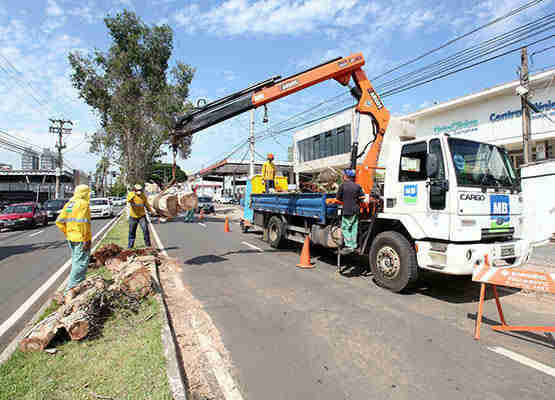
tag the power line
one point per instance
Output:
(456, 39)
(478, 51)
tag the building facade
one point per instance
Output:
(492, 115)
(47, 160)
(30, 160)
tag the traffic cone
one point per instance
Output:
(226, 225)
(305, 255)
(201, 215)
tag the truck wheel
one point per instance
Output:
(275, 232)
(393, 261)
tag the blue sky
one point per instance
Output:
(234, 43)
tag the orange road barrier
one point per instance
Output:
(305, 255)
(226, 225)
(511, 277)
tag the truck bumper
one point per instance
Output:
(460, 258)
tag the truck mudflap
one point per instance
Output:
(460, 258)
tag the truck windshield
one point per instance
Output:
(481, 164)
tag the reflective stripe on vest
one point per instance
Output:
(65, 220)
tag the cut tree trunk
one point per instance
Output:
(76, 324)
(41, 334)
(135, 280)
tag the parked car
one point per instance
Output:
(120, 201)
(205, 203)
(53, 208)
(101, 207)
(23, 215)
(226, 200)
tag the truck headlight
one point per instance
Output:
(469, 254)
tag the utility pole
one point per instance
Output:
(251, 145)
(526, 124)
(58, 128)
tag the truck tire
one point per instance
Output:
(275, 232)
(393, 261)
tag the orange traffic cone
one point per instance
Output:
(226, 225)
(201, 215)
(305, 255)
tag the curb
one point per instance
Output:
(12, 347)
(175, 372)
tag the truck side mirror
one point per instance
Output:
(432, 165)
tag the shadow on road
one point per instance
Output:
(8, 251)
(546, 340)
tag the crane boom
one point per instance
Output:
(339, 69)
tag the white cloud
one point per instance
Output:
(53, 9)
(235, 17)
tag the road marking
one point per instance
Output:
(200, 223)
(524, 360)
(7, 324)
(252, 246)
(36, 233)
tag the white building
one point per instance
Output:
(492, 115)
(47, 160)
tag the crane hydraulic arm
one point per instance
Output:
(340, 69)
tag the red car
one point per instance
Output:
(23, 215)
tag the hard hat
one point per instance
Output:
(138, 187)
(270, 156)
(349, 172)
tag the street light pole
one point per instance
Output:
(526, 123)
(58, 128)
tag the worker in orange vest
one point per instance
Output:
(269, 173)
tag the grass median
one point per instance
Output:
(125, 362)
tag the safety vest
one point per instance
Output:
(137, 204)
(75, 220)
(268, 171)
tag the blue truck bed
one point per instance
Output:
(310, 205)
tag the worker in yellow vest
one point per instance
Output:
(75, 223)
(269, 173)
(137, 215)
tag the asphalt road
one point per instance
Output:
(28, 258)
(316, 334)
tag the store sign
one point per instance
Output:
(510, 114)
(457, 127)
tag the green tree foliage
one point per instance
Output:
(134, 93)
(161, 173)
(118, 189)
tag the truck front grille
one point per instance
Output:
(498, 234)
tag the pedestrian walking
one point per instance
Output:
(350, 193)
(269, 173)
(137, 215)
(75, 223)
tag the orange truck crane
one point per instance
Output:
(262, 93)
(447, 203)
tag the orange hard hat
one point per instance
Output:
(270, 156)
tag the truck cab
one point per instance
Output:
(458, 200)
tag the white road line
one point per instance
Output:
(524, 360)
(7, 324)
(252, 246)
(200, 223)
(36, 233)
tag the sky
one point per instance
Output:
(234, 43)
